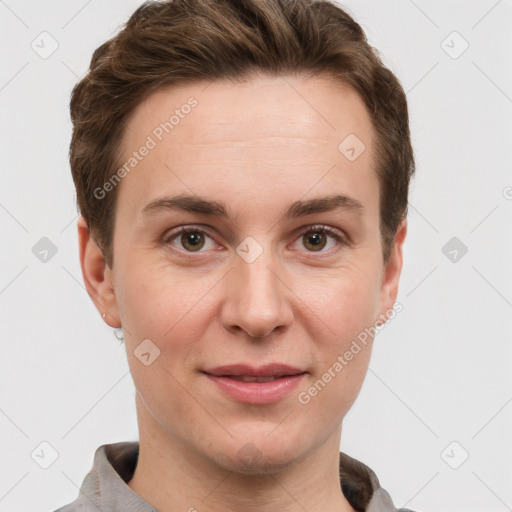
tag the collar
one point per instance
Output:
(105, 486)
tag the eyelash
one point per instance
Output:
(332, 232)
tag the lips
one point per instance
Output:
(248, 373)
(252, 378)
(256, 385)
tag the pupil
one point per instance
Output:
(316, 241)
(192, 240)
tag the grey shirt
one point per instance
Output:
(105, 488)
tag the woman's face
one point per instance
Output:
(281, 264)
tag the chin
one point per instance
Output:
(256, 455)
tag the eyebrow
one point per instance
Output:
(196, 204)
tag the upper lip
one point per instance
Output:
(268, 370)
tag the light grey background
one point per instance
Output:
(440, 371)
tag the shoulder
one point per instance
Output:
(362, 488)
(75, 506)
(101, 481)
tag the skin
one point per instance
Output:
(257, 147)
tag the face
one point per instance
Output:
(280, 263)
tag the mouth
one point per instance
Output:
(247, 373)
(253, 378)
(256, 385)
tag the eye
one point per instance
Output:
(321, 239)
(190, 239)
(317, 238)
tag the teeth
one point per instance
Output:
(250, 378)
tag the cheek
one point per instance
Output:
(330, 394)
(158, 302)
(342, 303)
(172, 310)
(341, 359)
(345, 306)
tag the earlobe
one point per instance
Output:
(97, 276)
(391, 274)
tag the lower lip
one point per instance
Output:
(257, 392)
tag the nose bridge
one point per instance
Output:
(258, 302)
(259, 278)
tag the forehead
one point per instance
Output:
(263, 106)
(278, 133)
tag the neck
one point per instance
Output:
(173, 477)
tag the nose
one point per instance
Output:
(257, 299)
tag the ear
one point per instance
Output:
(97, 275)
(391, 275)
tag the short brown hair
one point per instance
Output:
(182, 41)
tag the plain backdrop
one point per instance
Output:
(434, 416)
